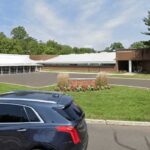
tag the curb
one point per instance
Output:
(23, 85)
(117, 122)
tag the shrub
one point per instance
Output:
(90, 88)
(101, 80)
(79, 88)
(63, 81)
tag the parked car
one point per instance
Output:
(35, 120)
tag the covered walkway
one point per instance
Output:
(13, 64)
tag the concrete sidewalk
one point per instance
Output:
(118, 122)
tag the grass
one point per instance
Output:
(118, 103)
(9, 87)
(139, 76)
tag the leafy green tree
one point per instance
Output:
(10, 46)
(49, 51)
(22, 43)
(76, 50)
(114, 46)
(86, 50)
(147, 23)
(138, 45)
(19, 33)
(2, 35)
(65, 49)
(107, 49)
(29, 45)
(54, 47)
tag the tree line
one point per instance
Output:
(21, 43)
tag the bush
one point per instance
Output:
(101, 80)
(90, 88)
(63, 81)
(79, 88)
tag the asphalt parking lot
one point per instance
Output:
(106, 137)
(40, 79)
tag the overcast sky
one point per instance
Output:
(82, 23)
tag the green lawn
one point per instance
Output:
(118, 103)
(139, 76)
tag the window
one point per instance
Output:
(72, 112)
(12, 113)
(31, 115)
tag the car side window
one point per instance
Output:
(12, 114)
(31, 115)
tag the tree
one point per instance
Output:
(19, 33)
(29, 45)
(22, 43)
(10, 46)
(147, 23)
(2, 35)
(107, 49)
(114, 46)
(86, 50)
(138, 45)
(65, 49)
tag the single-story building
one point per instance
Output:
(124, 60)
(133, 60)
(13, 63)
(86, 62)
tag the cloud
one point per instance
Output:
(89, 8)
(94, 24)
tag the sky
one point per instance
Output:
(82, 23)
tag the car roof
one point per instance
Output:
(36, 96)
(32, 94)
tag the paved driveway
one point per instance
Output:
(45, 79)
(105, 137)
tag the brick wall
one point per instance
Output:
(42, 57)
(133, 54)
(79, 68)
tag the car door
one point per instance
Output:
(13, 121)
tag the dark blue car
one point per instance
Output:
(35, 120)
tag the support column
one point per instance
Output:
(117, 66)
(29, 69)
(16, 69)
(130, 66)
(40, 69)
(9, 70)
(36, 69)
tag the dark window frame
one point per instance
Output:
(24, 108)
